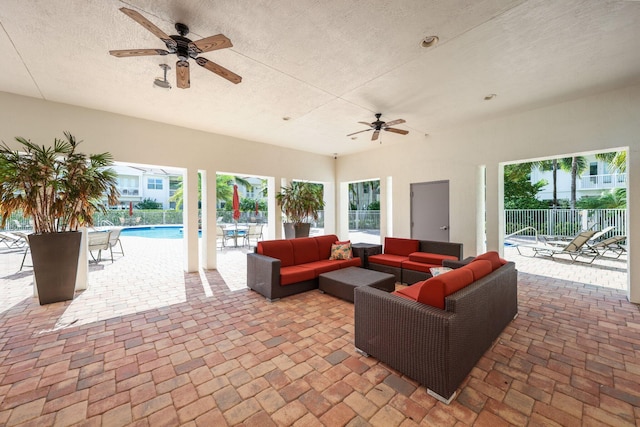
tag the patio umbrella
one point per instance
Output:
(257, 208)
(130, 208)
(236, 203)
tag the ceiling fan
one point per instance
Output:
(379, 125)
(183, 47)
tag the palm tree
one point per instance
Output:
(574, 165)
(224, 191)
(617, 160)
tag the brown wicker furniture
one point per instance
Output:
(436, 347)
(280, 268)
(365, 250)
(341, 283)
(410, 260)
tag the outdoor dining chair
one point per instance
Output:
(254, 232)
(98, 241)
(114, 240)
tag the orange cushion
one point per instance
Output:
(305, 249)
(322, 266)
(387, 259)
(430, 258)
(494, 257)
(479, 268)
(398, 246)
(436, 289)
(280, 249)
(419, 266)
(410, 292)
(324, 245)
(295, 274)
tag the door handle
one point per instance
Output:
(444, 227)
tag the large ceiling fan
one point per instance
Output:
(183, 47)
(379, 125)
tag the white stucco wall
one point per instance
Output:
(606, 121)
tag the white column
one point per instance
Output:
(82, 277)
(190, 218)
(633, 223)
(329, 196)
(343, 211)
(209, 221)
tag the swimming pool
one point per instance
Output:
(156, 232)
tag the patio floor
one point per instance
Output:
(148, 344)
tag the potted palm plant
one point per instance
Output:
(59, 189)
(300, 202)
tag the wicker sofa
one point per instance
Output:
(280, 268)
(438, 347)
(410, 259)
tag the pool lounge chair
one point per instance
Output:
(612, 244)
(12, 240)
(574, 248)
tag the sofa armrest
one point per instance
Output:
(411, 337)
(263, 274)
(457, 264)
(437, 348)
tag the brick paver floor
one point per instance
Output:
(150, 345)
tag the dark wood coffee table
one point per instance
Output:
(341, 283)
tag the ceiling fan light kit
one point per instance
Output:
(183, 48)
(379, 125)
(160, 83)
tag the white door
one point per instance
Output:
(430, 211)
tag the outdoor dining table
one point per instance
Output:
(234, 231)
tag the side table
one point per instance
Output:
(364, 250)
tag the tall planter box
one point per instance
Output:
(55, 264)
(293, 231)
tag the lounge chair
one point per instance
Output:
(574, 248)
(12, 240)
(601, 233)
(612, 244)
(98, 241)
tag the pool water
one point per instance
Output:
(160, 232)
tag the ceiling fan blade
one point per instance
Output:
(394, 122)
(183, 80)
(367, 124)
(212, 43)
(219, 70)
(400, 131)
(137, 52)
(146, 24)
(375, 135)
(360, 131)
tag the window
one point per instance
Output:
(154, 184)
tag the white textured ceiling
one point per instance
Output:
(324, 64)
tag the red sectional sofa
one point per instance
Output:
(436, 330)
(410, 259)
(280, 268)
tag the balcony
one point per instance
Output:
(128, 191)
(603, 182)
